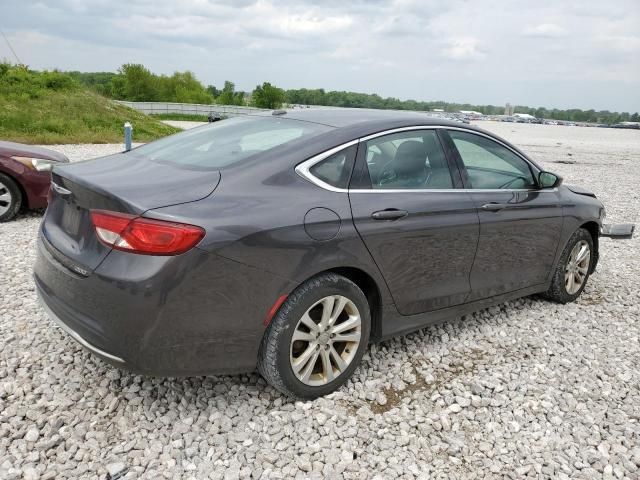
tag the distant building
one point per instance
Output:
(470, 112)
(438, 110)
(508, 110)
(524, 116)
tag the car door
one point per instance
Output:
(420, 229)
(520, 224)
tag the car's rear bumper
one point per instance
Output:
(620, 231)
(196, 314)
(75, 335)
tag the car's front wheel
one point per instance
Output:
(10, 198)
(573, 269)
(317, 339)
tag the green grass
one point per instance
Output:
(191, 117)
(51, 108)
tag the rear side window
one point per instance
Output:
(224, 143)
(336, 169)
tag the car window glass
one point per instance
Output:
(269, 139)
(373, 152)
(408, 160)
(227, 142)
(489, 165)
(333, 170)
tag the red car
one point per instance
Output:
(25, 177)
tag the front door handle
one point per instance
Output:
(494, 207)
(389, 214)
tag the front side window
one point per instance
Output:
(224, 143)
(490, 165)
(409, 160)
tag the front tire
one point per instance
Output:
(317, 338)
(573, 269)
(10, 198)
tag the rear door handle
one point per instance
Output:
(494, 207)
(389, 214)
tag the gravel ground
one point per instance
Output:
(183, 124)
(529, 389)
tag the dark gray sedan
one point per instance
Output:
(287, 242)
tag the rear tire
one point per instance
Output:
(573, 269)
(317, 338)
(10, 198)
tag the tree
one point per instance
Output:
(116, 88)
(228, 94)
(267, 96)
(213, 91)
(183, 87)
(139, 83)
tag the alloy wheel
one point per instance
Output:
(6, 199)
(577, 267)
(325, 340)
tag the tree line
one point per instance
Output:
(134, 82)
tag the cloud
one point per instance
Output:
(621, 43)
(464, 48)
(481, 51)
(546, 30)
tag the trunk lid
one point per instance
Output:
(121, 183)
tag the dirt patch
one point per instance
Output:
(396, 397)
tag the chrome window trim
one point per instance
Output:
(445, 127)
(303, 169)
(400, 130)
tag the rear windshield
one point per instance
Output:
(227, 142)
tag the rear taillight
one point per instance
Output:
(144, 235)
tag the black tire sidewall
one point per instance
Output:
(16, 198)
(285, 322)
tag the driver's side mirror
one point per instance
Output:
(549, 180)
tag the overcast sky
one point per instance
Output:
(553, 53)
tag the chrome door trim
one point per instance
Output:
(451, 190)
(303, 169)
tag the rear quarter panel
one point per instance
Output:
(264, 226)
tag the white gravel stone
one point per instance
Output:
(529, 389)
(32, 435)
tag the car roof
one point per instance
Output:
(347, 117)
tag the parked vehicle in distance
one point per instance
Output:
(286, 242)
(25, 177)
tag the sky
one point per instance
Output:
(552, 53)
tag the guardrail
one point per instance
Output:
(154, 108)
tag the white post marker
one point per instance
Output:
(128, 135)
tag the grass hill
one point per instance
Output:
(53, 108)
